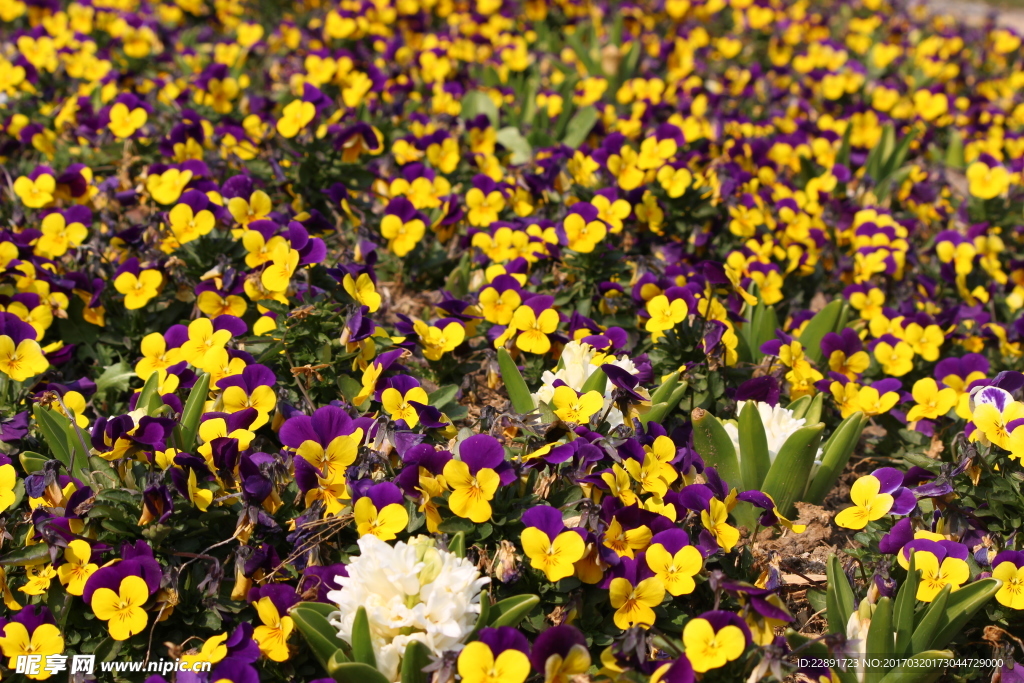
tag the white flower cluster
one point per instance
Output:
(411, 591)
(779, 425)
(576, 367)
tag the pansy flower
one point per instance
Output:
(32, 631)
(992, 410)
(560, 653)
(474, 477)
(1008, 567)
(402, 226)
(499, 654)
(845, 354)
(941, 563)
(714, 639)
(876, 495)
(551, 548)
(380, 511)
(253, 388)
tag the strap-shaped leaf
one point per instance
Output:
(518, 392)
(903, 613)
(659, 411)
(714, 445)
(799, 407)
(596, 382)
(787, 478)
(836, 454)
(579, 127)
(879, 640)
(662, 393)
(920, 669)
(955, 150)
(820, 325)
(79, 448)
(356, 672)
(149, 397)
(839, 598)
(812, 415)
(754, 459)
(510, 611)
(928, 623)
(322, 638)
(362, 645)
(484, 617)
(960, 607)
(192, 412)
(457, 544)
(417, 657)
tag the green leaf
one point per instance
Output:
(596, 382)
(477, 102)
(355, 672)
(898, 156)
(115, 378)
(955, 151)
(879, 640)
(192, 412)
(149, 397)
(511, 139)
(714, 445)
(32, 461)
(518, 392)
(102, 471)
(903, 613)
(579, 127)
(920, 669)
(25, 556)
(754, 459)
(362, 645)
(820, 325)
(484, 617)
(443, 396)
(659, 411)
(575, 41)
(812, 415)
(840, 598)
(662, 393)
(799, 406)
(510, 611)
(317, 631)
(457, 544)
(928, 623)
(417, 657)
(787, 478)
(53, 432)
(836, 454)
(844, 150)
(960, 607)
(79, 448)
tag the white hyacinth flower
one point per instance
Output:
(411, 591)
(779, 425)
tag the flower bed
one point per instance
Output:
(497, 341)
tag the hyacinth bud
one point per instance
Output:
(430, 556)
(506, 564)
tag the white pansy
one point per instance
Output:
(411, 591)
(576, 367)
(779, 425)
